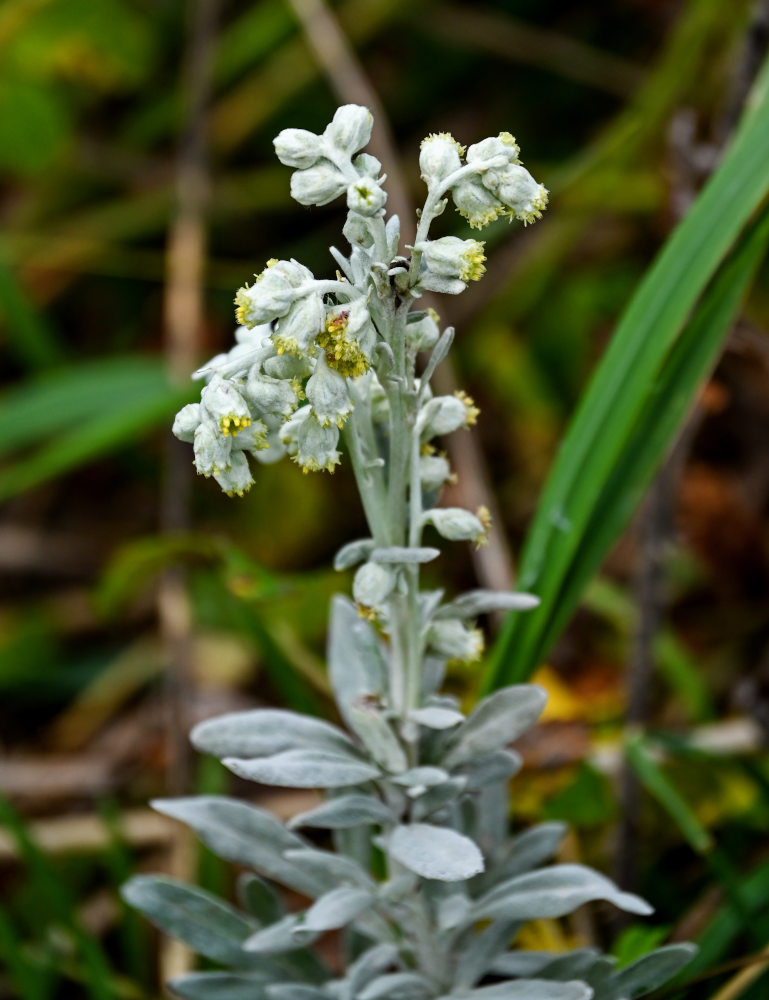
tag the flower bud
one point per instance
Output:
(236, 478)
(523, 196)
(424, 333)
(452, 257)
(477, 204)
(441, 415)
(296, 147)
(366, 197)
(186, 422)
(253, 439)
(327, 393)
(496, 151)
(287, 366)
(271, 294)
(317, 185)
(372, 585)
(439, 156)
(212, 450)
(226, 405)
(434, 471)
(297, 329)
(367, 165)
(453, 639)
(350, 128)
(316, 445)
(270, 395)
(288, 434)
(456, 524)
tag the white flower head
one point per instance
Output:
(366, 197)
(212, 450)
(495, 151)
(187, 421)
(452, 257)
(434, 471)
(236, 478)
(350, 128)
(317, 185)
(446, 414)
(226, 406)
(367, 165)
(328, 394)
(458, 524)
(296, 147)
(270, 395)
(440, 155)
(297, 330)
(476, 203)
(372, 585)
(272, 293)
(423, 334)
(524, 197)
(453, 639)
(316, 445)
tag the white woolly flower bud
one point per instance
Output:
(226, 405)
(457, 524)
(296, 147)
(424, 333)
(446, 414)
(495, 150)
(236, 478)
(524, 197)
(439, 155)
(287, 366)
(327, 393)
(270, 395)
(298, 328)
(253, 439)
(271, 294)
(317, 185)
(316, 445)
(476, 203)
(367, 165)
(453, 639)
(212, 450)
(350, 128)
(372, 585)
(434, 471)
(366, 197)
(452, 257)
(186, 422)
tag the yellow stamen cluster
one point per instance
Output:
(507, 139)
(538, 206)
(342, 354)
(472, 262)
(484, 516)
(473, 412)
(233, 424)
(242, 307)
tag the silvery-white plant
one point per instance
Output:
(424, 881)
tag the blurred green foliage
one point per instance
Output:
(92, 103)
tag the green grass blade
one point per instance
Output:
(91, 427)
(626, 385)
(657, 784)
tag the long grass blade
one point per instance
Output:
(644, 376)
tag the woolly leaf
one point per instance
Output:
(267, 731)
(397, 986)
(650, 971)
(356, 665)
(303, 769)
(345, 811)
(553, 892)
(435, 852)
(497, 721)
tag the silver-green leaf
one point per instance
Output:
(435, 852)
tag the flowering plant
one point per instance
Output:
(424, 879)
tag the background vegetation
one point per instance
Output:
(139, 189)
